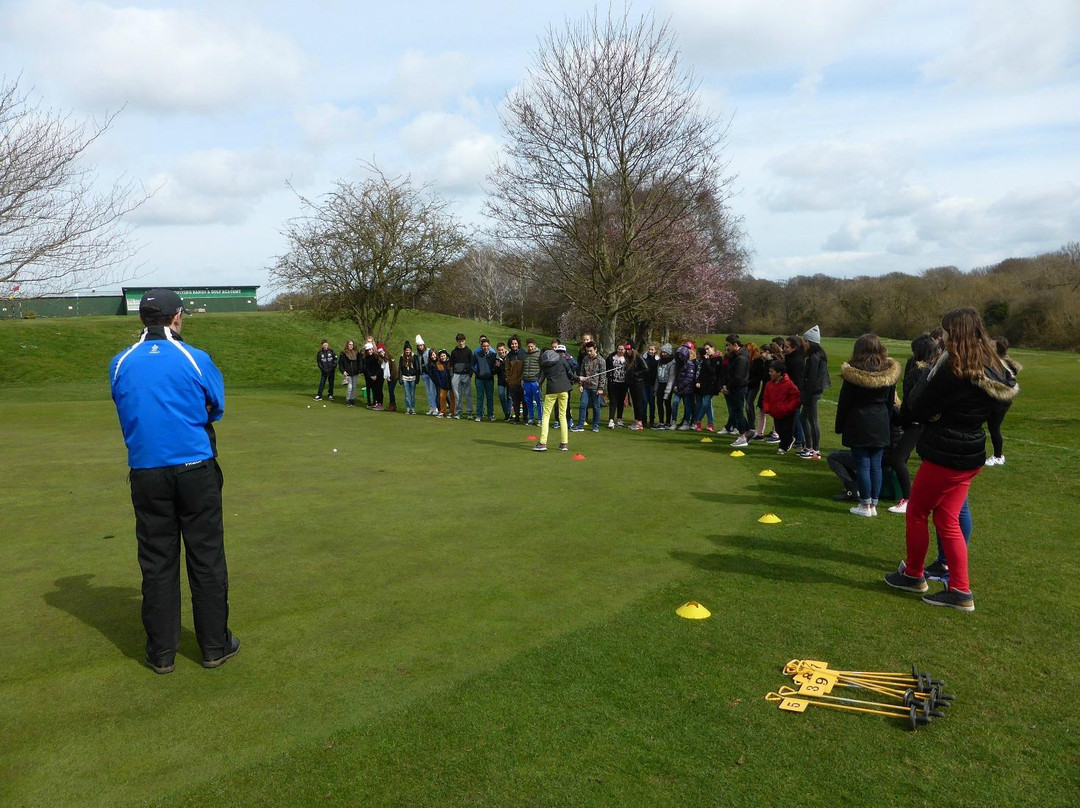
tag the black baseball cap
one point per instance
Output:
(160, 303)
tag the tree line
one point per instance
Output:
(1034, 301)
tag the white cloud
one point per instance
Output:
(456, 155)
(1009, 45)
(430, 81)
(154, 59)
(322, 125)
(744, 35)
(218, 186)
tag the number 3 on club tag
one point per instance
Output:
(794, 705)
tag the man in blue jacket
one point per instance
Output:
(167, 395)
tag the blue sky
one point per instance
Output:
(867, 136)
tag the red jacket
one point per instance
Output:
(781, 398)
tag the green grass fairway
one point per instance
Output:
(434, 615)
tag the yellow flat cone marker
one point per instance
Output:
(692, 610)
(706, 440)
(770, 519)
(767, 473)
(737, 453)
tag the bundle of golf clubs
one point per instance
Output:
(915, 697)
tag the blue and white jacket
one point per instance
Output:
(167, 395)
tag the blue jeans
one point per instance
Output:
(590, 399)
(868, 473)
(704, 408)
(689, 405)
(966, 527)
(485, 393)
(504, 400)
(533, 400)
(410, 394)
(432, 391)
(649, 403)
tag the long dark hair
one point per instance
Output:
(869, 353)
(970, 349)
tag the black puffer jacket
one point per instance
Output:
(864, 408)
(953, 411)
(815, 377)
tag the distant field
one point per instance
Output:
(435, 615)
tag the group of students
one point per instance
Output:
(957, 380)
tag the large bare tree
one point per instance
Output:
(607, 152)
(366, 250)
(58, 229)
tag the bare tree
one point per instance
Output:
(490, 284)
(607, 151)
(366, 250)
(57, 230)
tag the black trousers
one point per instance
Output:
(170, 503)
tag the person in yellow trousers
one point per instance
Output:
(559, 378)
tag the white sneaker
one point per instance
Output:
(740, 442)
(611, 423)
(862, 510)
(899, 507)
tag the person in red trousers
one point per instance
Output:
(952, 400)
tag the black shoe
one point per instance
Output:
(909, 583)
(846, 496)
(160, 666)
(234, 648)
(938, 571)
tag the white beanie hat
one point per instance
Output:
(419, 340)
(813, 335)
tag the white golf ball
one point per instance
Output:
(309, 406)
(324, 406)
(335, 451)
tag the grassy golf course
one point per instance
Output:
(436, 616)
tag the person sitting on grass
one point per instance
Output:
(781, 401)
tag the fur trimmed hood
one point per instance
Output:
(887, 376)
(999, 387)
(1014, 366)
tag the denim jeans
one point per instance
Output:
(737, 399)
(432, 391)
(868, 473)
(590, 399)
(689, 403)
(485, 393)
(704, 408)
(462, 393)
(410, 394)
(504, 400)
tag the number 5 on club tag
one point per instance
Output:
(794, 705)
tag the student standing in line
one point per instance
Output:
(326, 360)
(780, 399)
(864, 412)
(665, 386)
(993, 424)
(409, 373)
(952, 401)
(530, 382)
(617, 386)
(815, 380)
(350, 363)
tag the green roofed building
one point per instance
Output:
(212, 299)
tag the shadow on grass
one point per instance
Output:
(808, 549)
(769, 497)
(515, 445)
(112, 610)
(781, 570)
